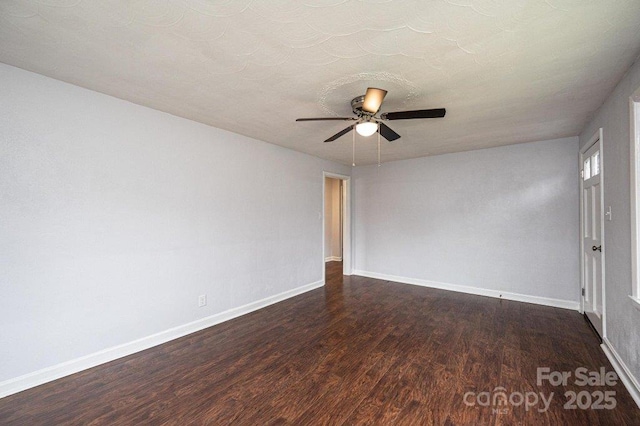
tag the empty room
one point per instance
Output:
(320, 212)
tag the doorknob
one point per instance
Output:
(598, 248)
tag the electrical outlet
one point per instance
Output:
(202, 300)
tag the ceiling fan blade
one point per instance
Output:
(420, 113)
(327, 119)
(373, 99)
(387, 133)
(340, 133)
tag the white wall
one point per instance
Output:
(622, 319)
(504, 219)
(115, 217)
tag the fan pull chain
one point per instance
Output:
(353, 163)
(378, 146)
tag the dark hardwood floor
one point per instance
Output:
(358, 351)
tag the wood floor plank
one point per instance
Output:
(358, 351)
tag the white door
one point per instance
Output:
(592, 261)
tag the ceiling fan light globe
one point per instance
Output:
(367, 128)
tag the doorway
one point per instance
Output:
(336, 225)
(332, 220)
(592, 249)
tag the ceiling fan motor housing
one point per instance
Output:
(356, 106)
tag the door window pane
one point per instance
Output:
(586, 171)
(595, 163)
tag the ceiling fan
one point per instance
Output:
(367, 123)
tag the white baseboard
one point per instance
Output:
(629, 381)
(556, 303)
(18, 384)
(333, 259)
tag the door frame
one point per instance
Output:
(634, 116)
(346, 222)
(595, 139)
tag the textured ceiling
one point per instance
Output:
(508, 71)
